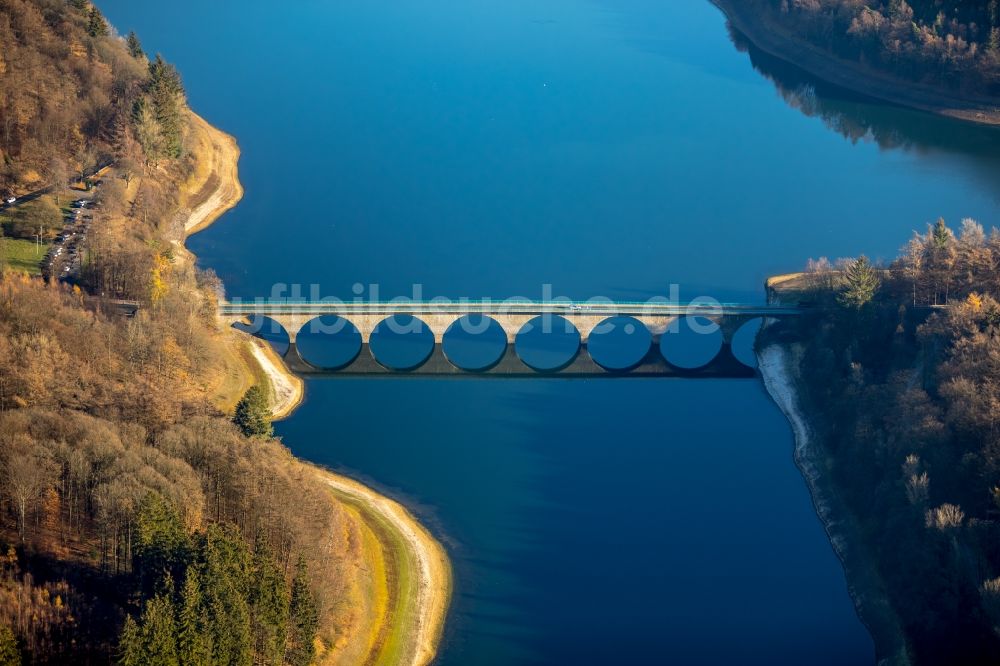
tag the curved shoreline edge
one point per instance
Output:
(223, 171)
(427, 609)
(432, 597)
(781, 43)
(863, 582)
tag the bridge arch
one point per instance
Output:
(691, 343)
(328, 342)
(401, 342)
(744, 339)
(547, 343)
(474, 343)
(619, 344)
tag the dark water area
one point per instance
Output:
(579, 149)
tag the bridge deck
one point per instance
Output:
(566, 308)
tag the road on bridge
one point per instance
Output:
(622, 308)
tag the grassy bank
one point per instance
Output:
(23, 255)
(407, 589)
(772, 37)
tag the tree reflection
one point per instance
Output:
(863, 119)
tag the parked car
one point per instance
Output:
(10, 200)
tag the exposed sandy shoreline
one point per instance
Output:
(433, 570)
(781, 43)
(863, 582)
(287, 389)
(215, 188)
(219, 188)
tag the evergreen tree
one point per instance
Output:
(193, 640)
(134, 45)
(159, 633)
(253, 415)
(226, 580)
(162, 547)
(861, 281)
(269, 608)
(96, 25)
(303, 620)
(130, 650)
(167, 96)
(10, 655)
(941, 234)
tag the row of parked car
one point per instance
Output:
(64, 258)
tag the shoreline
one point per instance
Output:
(777, 41)
(287, 389)
(221, 189)
(213, 190)
(424, 613)
(429, 602)
(863, 581)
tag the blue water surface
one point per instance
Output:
(602, 148)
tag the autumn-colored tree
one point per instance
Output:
(39, 216)
(10, 654)
(27, 474)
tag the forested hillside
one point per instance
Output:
(72, 95)
(138, 524)
(954, 44)
(900, 374)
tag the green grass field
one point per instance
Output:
(22, 255)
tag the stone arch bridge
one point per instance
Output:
(513, 316)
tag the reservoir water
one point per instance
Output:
(491, 147)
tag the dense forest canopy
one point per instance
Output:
(952, 43)
(138, 524)
(900, 370)
(74, 96)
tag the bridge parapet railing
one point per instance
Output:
(507, 306)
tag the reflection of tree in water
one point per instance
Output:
(861, 118)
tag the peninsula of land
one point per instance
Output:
(889, 383)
